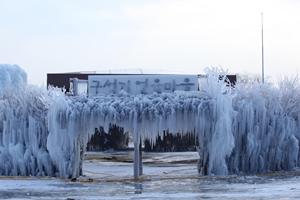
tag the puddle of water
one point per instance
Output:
(248, 187)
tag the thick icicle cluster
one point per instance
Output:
(23, 131)
(215, 135)
(266, 127)
(12, 75)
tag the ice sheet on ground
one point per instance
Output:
(162, 186)
(154, 165)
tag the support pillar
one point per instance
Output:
(138, 162)
(75, 86)
(140, 159)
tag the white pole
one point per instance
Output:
(262, 49)
(75, 85)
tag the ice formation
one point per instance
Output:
(12, 75)
(23, 131)
(266, 127)
(250, 128)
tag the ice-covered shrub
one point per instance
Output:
(266, 128)
(11, 75)
(23, 132)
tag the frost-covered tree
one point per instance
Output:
(250, 78)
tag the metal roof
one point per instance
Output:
(131, 71)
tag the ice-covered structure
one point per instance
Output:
(250, 128)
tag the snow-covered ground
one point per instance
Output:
(108, 175)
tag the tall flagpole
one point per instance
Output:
(262, 50)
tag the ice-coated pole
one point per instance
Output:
(137, 154)
(140, 159)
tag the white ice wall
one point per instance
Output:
(266, 128)
(23, 132)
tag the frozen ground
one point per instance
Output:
(108, 175)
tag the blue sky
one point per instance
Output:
(177, 35)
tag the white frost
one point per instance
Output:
(250, 128)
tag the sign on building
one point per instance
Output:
(141, 84)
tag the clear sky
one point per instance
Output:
(44, 36)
